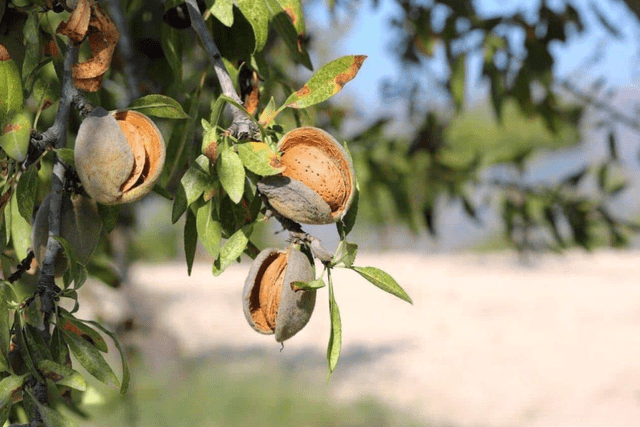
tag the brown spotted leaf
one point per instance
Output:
(326, 82)
(288, 21)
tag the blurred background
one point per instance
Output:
(498, 159)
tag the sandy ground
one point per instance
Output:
(488, 341)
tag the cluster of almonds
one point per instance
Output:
(119, 157)
(316, 186)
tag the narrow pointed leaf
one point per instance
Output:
(70, 324)
(313, 284)
(209, 229)
(126, 375)
(191, 187)
(10, 87)
(232, 249)
(190, 239)
(159, 106)
(62, 375)
(91, 359)
(384, 281)
(20, 230)
(288, 21)
(5, 337)
(326, 82)
(335, 339)
(50, 417)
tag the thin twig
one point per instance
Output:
(241, 127)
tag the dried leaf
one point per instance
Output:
(103, 37)
(78, 24)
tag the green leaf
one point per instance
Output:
(209, 229)
(9, 388)
(50, 417)
(326, 82)
(288, 21)
(457, 80)
(269, 113)
(223, 10)
(10, 90)
(66, 155)
(231, 174)
(191, 187)
(347, 252)
(126, 375)
(172, 46)
(190, 239)
(335, 338)
(232, 249)
(62, 375)
(38, 349)
(73, 271)
(26, 192)
(69, 324)
(257, 156)
(109, 215)
(5, 337)
(159, 106)
(384, 281)
(257, 14)
(20, 230)
(313, 284)
(90, 359)
(16, 132)
(23, 347)
(31, 41)
(59, 348)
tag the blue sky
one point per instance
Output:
(369, 34)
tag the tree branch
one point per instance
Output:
(241, 127)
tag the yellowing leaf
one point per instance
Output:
(326, 82)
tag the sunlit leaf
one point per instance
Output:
(384, 281)
(223, 10)
(326, 82)
(20, 230)
(335, 337)
(313, 284)
(159, 106)
(9, 388)
(15, 135)
(232, 249)
(257, 156)
(257, 14)
(10, 87)
(231, 174)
